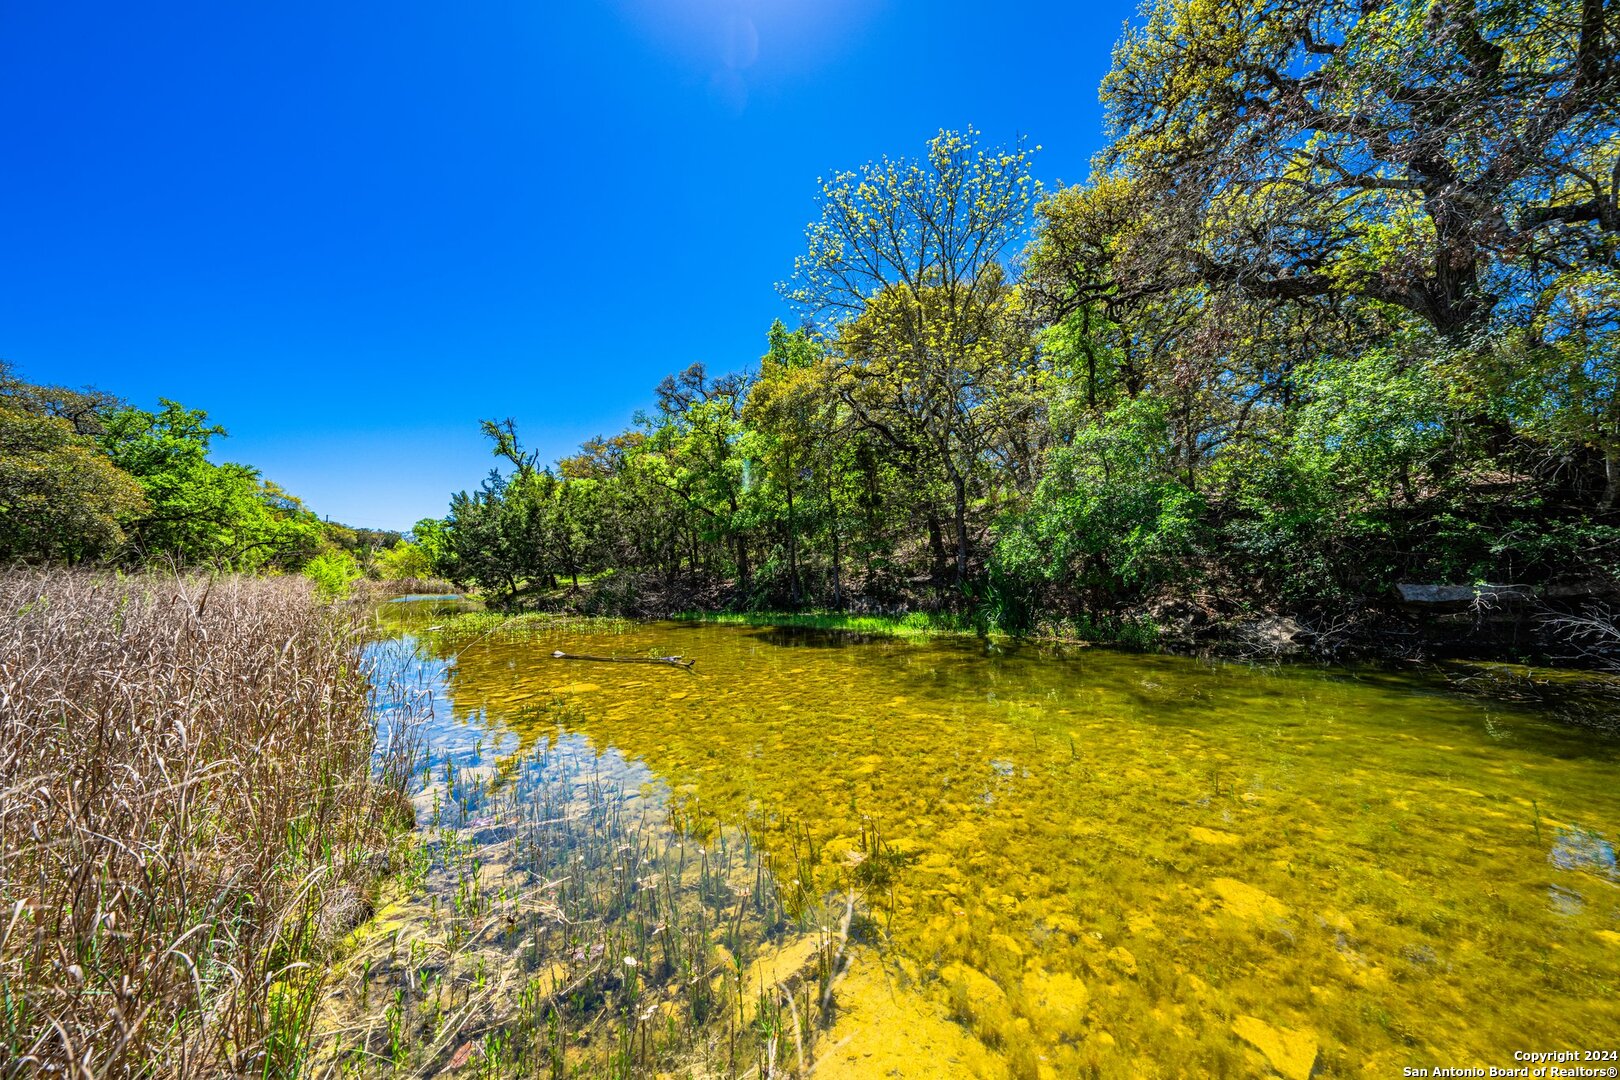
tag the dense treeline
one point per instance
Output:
(86, 477)
(1336, 310)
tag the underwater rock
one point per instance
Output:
(1141, 925)
(1005, 952)
(975, 996)
(1212, 836)
(788, 965)
(887, 1029)
(1291, 1053)
(1200, 990)
(1059, 1002)
(1333, 919)
(1248, 902)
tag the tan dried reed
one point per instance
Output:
(188, 790)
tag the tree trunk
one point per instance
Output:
(1091, 358)
(793, 550)
(1611, 479)
(959, 482)
(742, 548)
(936, 545)
(837, 554)
(838, 573)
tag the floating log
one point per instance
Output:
(672, 661)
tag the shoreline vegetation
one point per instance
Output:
(201, 787)
(1463, 634)
(921, 625)
(916, 624)
(1473, 630)
(225, 849)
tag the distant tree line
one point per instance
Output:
(1336, 309)
(88, 478)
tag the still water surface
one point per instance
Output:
(1100, 863)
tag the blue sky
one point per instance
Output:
(349, 231)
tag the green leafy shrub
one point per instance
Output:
(333, 572)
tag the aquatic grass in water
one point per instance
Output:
(564, 917)
(923, 625)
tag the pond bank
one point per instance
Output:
(1490, 623)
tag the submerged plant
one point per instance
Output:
(565, 923)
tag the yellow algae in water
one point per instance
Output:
(886, 1029)
(783, 965)
(1058, 1001)
(1291, 1053)
(1123, 959)
(1006, 952)
(976, 998)
(1246, 901)
(1142, 925)
(1201, 990)
(578, 688)
(1212, 836)
(1336, 920)
(1610, 936)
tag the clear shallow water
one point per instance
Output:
(1110, 864)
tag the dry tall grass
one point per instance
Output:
(187, 808)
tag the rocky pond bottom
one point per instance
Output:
(881, 858)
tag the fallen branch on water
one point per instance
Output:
(672, 661)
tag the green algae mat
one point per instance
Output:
(1091, 862)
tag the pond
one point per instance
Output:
(1086, 862)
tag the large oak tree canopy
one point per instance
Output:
(1443, 157)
